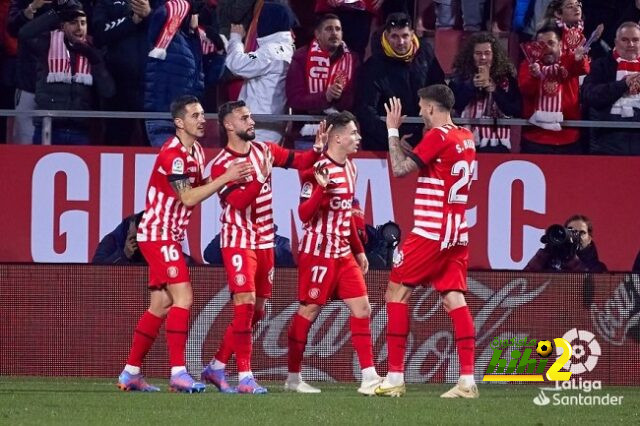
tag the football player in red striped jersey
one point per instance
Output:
(176, 185)
(247, 237)
(435, 253)
(331, 262)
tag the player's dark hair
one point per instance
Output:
(550, 27)
(440, 94)
(227, 108)
(324, 18)
(341, 119)
(179, 105)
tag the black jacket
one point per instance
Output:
(585, 260)
(127, 47)
(26, 63)
(63, 96)
(381, 78)
(600, 91)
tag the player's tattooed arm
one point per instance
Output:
(180, 185)
(402, 161)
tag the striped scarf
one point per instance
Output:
(321, 72)
(59, 61)
(572, 36)
(625, 105)
(548, 114)
(485, 107)
(177, 10)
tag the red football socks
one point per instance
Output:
(361, 341)
(143, 337)
(465, 337)
(298, 331)
(242, 320)
(397, 332)
(226, 346)
(177, 331)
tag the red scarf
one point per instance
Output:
(572, 36)
(549, 112)
(625, 105)
(206, 44)
(485, 107)
(321, 72)
(177, 10)
(59, 62)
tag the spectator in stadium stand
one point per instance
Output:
(321, 78)
(236, 12)
(120, 246)
(282, 251)
(584, 259)
(174, 63)
(355, 18)
(265, 69)
(121, 28)
(8, 54)
(22, 12)
(549, 89)
(400, 64)
(533, 16)
(612, 93)
(447, 12)
(70, 72)
(485, 86)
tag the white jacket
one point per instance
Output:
(264, 71)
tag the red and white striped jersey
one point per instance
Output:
(247, 216)
(328, 232)
(165, 218)
(446, 157)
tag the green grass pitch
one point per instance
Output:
(67, 401)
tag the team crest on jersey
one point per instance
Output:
(398, 258)
(177, 168)
(172, 272)
(240, 280)
(270, 275)
(306, 190)
(314, 293)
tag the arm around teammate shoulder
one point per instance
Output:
(190, 196)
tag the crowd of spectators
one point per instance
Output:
(283, 56)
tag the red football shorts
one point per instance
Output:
(166, 262)
(249, 271)
(321, 279)
(421, 262)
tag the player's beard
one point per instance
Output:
(246, 135)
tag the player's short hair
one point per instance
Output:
(179, 105)
(550, 27)
(440, 94)
(341, 119)
(627, 24)
(326, 17)
(227, 108)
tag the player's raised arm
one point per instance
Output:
(312, 197)
(402, 163)
(190, 196)
(301, 160)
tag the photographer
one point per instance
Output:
(568, 248)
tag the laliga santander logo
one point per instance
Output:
(585, 353)
(580, 340)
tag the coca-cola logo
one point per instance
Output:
(426, 355)
(620, 313)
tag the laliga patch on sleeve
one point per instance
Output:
(177, 168)
(306, 190)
